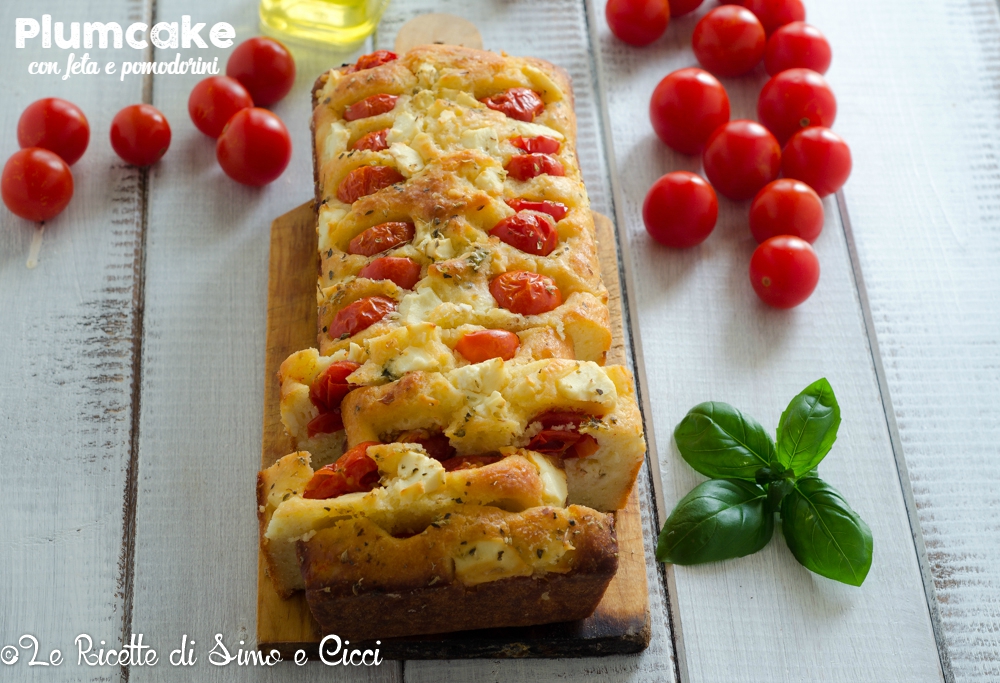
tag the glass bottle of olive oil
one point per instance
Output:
(341, 23)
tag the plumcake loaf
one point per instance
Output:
(461, 443)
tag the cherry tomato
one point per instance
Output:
(797, 45)
(560, 435)
(331, 386)
(482, 345)
(557, 210)
(681, 7)
(56, 125)
(254, 147)
(527, 166)
(366, 180)
(140, 134)
(469, 462)
(371, 106)
(382, 237)
(370, 61)
(521, 104)
(325, 423)
(36, 184)
(729, 41)
(214, 101)
(529, 232)
(774, 14)
(680, 210)
(360, 315)
(686, 107)
(265, 68)
(784, 271)
(638, 22)
(541, 144)
(786, 207)
(353, 472)
(818, 157)
(526, 293)
(740, 158)
(405, 272)
(437, 445)
(373, 142)
(796, 99)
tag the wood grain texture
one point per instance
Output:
(705, 336)
(68, 331)
(920, 106)
(556, 31)
(621, 623)
(206, 285)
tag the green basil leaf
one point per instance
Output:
(718, 520)
(721, 442)
(824, 534)
(808, 427)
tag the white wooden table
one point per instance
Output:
(131, 358)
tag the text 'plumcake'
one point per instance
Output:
(460, 442)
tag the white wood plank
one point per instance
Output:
(556, 31)
(67, 330)
(918, 92)
(704, 336)
(206, 285)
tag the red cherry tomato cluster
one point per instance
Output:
(253, 146)
(743, 159)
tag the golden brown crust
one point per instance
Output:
(363, 583)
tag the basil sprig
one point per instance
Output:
(732, 514)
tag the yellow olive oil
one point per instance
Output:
(341, 23)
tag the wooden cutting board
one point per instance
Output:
(621, 623)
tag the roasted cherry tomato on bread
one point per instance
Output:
(140, 134)
(56, 125)
(214, 100)
(331, 386)
(740, 158)
(370, 61)
(529, 232)
(405, 272)
(360, 315)
(680, 210)
(797, 45)
(468, 462)
(325, 423)
(637, 22)
(525, 293)
(521, 104)
(381, 237)
(366, 180)
(729, 41)
(375, 141)
(560, 435)
(371, 106)
(36, 184)
(265, 67)
(437, 445)
(527, 166)
(539, 144)
(686, 107)
(793, 100)
(557, 210)
(773, 14)
(254, 148)
(483, 345)
(818, 157)
(786, 207)
(784, 271)
(353, 472)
